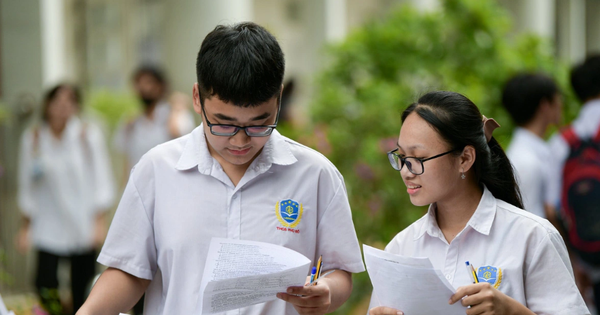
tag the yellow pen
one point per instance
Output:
(318, 271)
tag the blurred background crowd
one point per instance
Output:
(88, 86)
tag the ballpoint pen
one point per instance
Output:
(472, 272)
(312, 274)
(319, 263)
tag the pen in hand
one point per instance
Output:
(312, 274)
(472, 273)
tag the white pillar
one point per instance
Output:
(54, 52)
(425, 5)
(534, 16)
(335, 20)
(187, 22)
(539, 17)
(593, 26)
(571, 34)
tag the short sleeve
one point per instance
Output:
(130, 244)
(549, 269)
(336, 236)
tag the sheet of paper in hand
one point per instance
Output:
(409, 284)
(242, 273)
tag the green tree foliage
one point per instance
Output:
(383, 67)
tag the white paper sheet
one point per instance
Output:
(409, 284)
(242, 273)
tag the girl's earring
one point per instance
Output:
(462, 176)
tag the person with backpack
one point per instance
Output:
(575, 181)
(534, 103)
(65, 187)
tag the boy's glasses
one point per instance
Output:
(414, 164)
(232, 130)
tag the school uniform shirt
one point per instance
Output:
(518, 253)
(135, 138)
(529, 155)
(178, 198)
(63, 184)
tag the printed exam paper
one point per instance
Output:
(242, 273)
(409, 284)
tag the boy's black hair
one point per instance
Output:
(242, 64)
(523, 93)
(154, 71)
(585, 79)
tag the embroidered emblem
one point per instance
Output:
(491, 275)
(289, 213)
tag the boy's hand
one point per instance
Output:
(309, 299)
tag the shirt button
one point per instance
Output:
(448, 277)
(234, 197)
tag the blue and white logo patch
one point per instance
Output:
(491, 275)
(289, 212)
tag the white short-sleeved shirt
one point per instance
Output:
(63, 183)
(135, 138)
(586, 125)
(519, 253)
(178, 198)
(529, 155)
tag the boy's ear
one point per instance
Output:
(196, 99)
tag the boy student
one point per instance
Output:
(236, 177)
(534, 103)
(161, 119)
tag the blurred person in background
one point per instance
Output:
(161, 119)
(575, 181)
(65, 188)
(534, 103)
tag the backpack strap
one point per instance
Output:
(36, 140)
(569, 135)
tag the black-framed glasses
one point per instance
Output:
(232, 130)
(414, 164)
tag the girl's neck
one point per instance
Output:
(453, 214)
(57, 128)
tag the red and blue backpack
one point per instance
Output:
(581, 195)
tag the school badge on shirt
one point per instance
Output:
(289, 214)
(491, 275)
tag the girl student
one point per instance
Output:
(65, 189)
(449, 160)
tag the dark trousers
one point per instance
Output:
(83, 270)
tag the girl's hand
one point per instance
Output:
(484, 299)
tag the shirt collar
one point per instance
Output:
(481, 221)
(195, 152)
